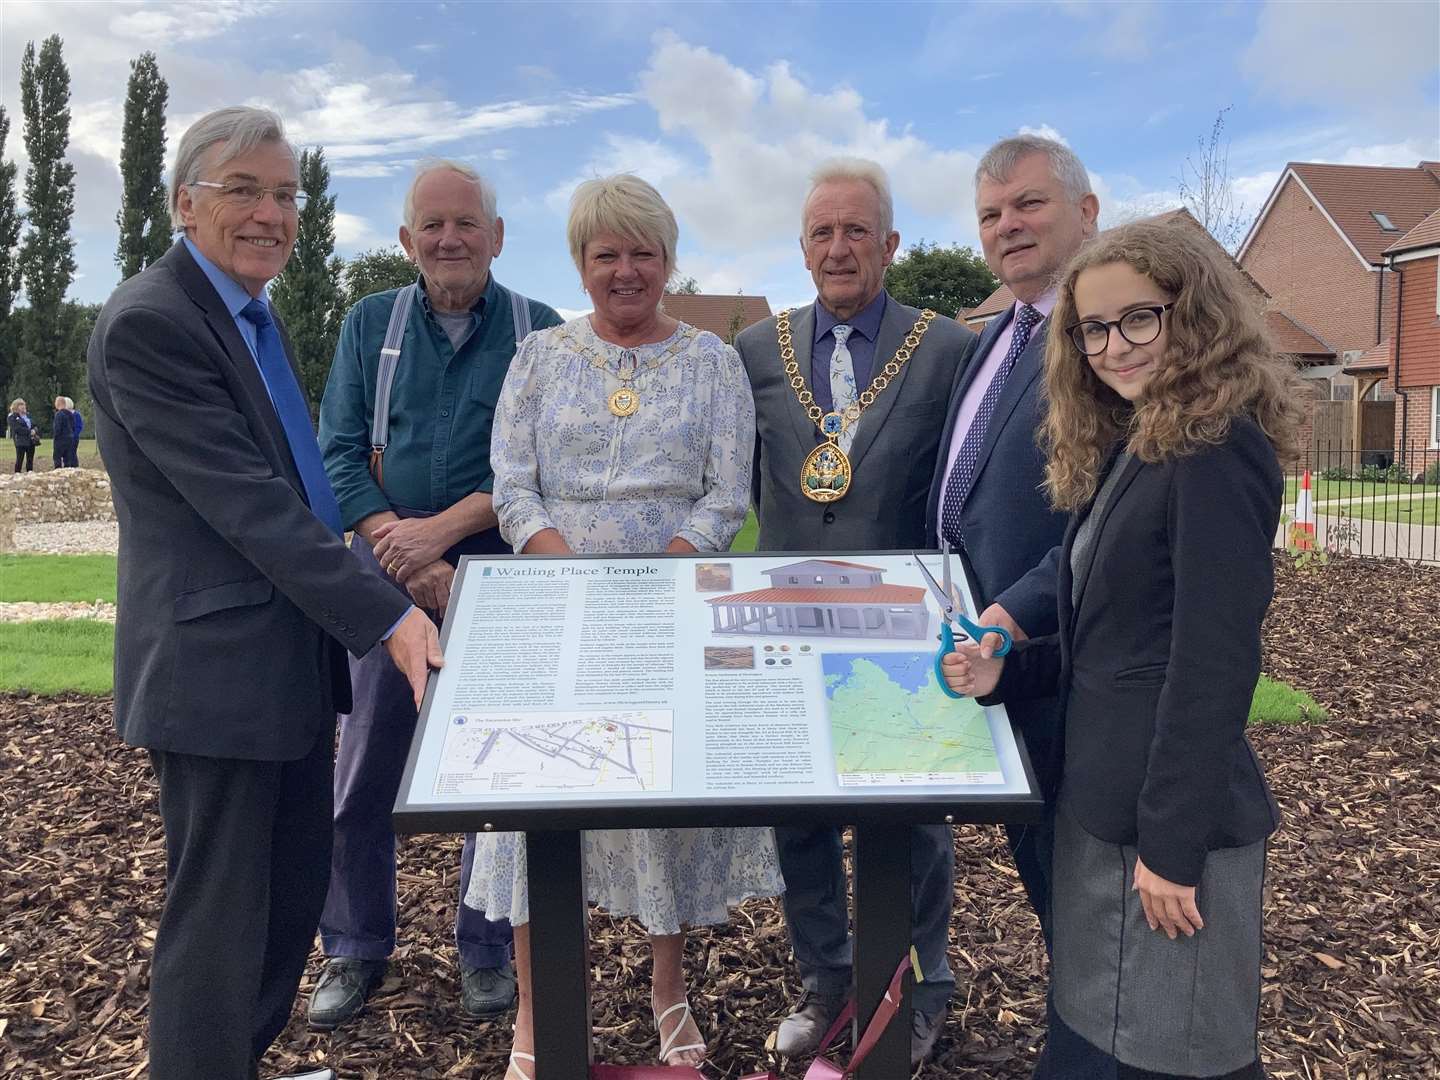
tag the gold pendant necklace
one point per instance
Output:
(826, 473)
(626, 400)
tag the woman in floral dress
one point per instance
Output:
(626, 431)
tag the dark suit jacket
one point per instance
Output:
(893, 454)
(234, 599)
(63, 426)
(1157, 663)
(1008, 523)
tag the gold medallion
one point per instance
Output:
(825, 476)
(624, 402)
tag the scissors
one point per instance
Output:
(950, 613)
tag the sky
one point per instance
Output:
(727, 107)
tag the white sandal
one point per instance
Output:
(667, 1044)
(517, 1056)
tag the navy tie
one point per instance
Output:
(294, 416)
(962, 474)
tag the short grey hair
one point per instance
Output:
(622, 204)
(1000, 161)
(488, 201)
(854, 168)
(240, 127)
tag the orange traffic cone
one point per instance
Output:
(1302, 533)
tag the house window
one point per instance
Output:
(819, 580)
(1435, 417)
(1384, 222)
(794, 580)
(844, 579)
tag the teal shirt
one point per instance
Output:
(442, 404)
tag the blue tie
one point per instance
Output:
(962, 474)
(294, 416)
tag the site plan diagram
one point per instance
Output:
(571, 751)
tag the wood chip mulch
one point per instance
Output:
(1352, 965)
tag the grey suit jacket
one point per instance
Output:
(893, 455)
(236, 604)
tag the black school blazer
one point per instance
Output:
(1157, 663)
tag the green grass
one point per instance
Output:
(58, 657)
(1276, 702)
(87, 454)
(748, 534)
(1417, 504)
(55, 578)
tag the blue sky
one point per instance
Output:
(726, 107)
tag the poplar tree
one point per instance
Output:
(9, 267)
(144, 216)
(47, 254)
(307, 293)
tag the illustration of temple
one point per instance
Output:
(824, 597)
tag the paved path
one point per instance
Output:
(1382, 539)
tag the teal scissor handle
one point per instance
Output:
(977, 632)
(947, 645)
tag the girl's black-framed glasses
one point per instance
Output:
(1139, 326)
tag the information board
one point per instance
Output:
(617, 691)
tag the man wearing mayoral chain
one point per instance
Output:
(850, 395)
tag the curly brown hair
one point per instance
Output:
(1219, 364)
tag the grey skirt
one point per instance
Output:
(1189, 1006)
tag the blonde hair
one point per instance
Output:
(17, 401)
(1218, 364)
(622, 204)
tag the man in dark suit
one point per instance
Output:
(853, 333)
(238, 600)
(1035, 209)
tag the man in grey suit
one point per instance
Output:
(238, 600)
(839, 474)
(1035, 209)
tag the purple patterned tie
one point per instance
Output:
(962, 474)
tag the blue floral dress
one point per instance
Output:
(679, 465)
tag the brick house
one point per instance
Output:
(1318, 248)
(723, 315)
(1414, 350)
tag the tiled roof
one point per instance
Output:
(1289, 337)
(1426, 234)
(1349, 194)
(824, 562)
(716, 311)
(899, 595)
(1375, 358)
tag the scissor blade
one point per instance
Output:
(947, 605)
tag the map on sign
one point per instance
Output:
(891, 725)
(538, 752)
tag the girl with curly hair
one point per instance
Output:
(1168, 415)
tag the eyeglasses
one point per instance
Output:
(244, 196)
(1140, 326)
(824, 234)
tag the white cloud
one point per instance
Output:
(1318, 53)
(1045, 131)
(355, 233)
(156, 25)
(759, 136)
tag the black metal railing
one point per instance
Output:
(1382, 503)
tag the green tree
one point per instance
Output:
(685, 287)
(945, 279)
(1207, 189)
(375, 271)
(307, 293)
(10, 220)
(47, 254)
(144, 216)
(737, 318)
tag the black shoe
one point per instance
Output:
(924, 1033)
(486, 992)
(344, 985)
